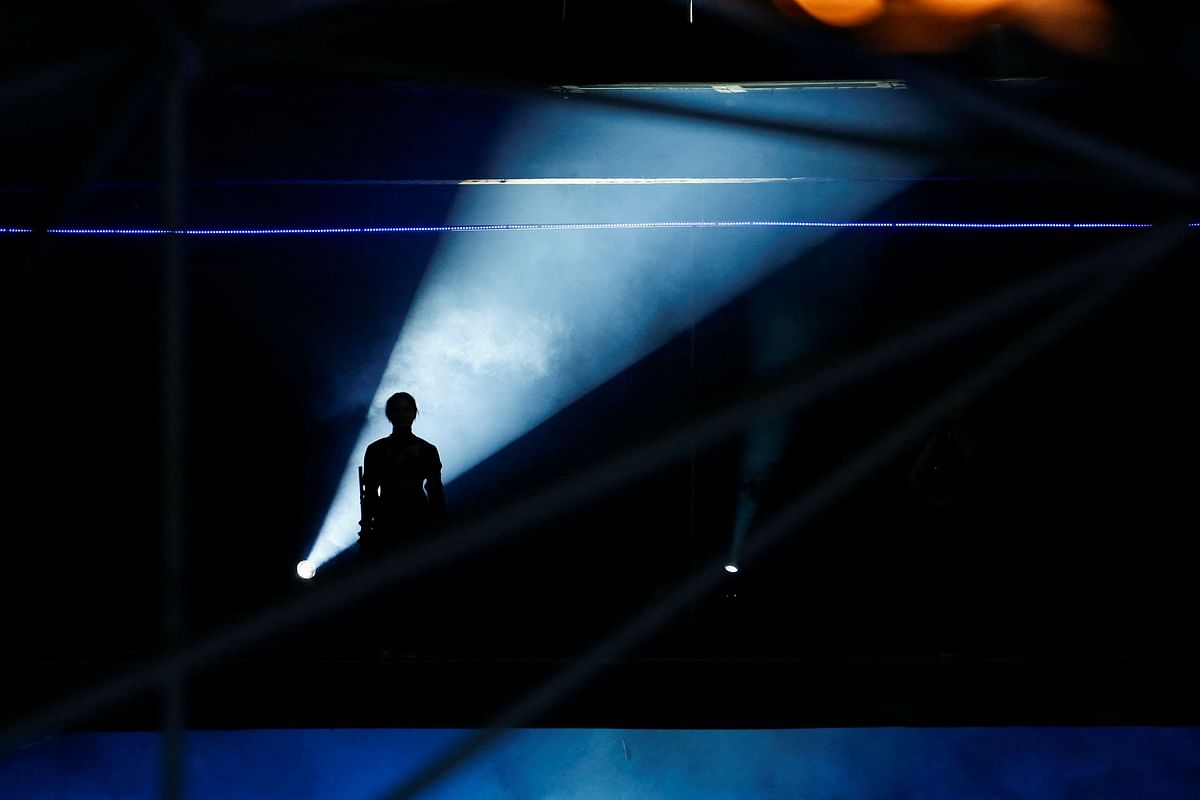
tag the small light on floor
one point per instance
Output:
(731, 568)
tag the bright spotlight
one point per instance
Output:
(306, 569)
(731, 568)
(534, 319)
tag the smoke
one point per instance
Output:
(511, 326)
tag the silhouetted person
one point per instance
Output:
(964, 482)
(963, 468)
(402, 482)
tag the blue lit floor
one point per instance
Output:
(925, 763)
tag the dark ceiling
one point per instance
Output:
(1070, 602)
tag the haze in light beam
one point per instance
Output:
(509, 327)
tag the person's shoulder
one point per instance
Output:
(378, 444)
(428, 451)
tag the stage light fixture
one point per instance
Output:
(306, 569)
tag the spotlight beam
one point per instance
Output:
(537, 322)
(783, 524)
(800, 389)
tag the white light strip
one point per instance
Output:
(752, 86)
(236, 183)
(628, 181)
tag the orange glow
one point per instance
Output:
(1082, 26)
(843, 13)
(958, 9)
(937, 26)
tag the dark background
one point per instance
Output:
(1069, 599)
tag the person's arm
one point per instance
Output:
(370, 498)
(433, 489)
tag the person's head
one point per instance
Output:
(401, 409)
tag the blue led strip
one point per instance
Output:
(577, 226)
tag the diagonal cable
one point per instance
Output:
(785, 522)
(67, 201)
(357, 65)
(786, 394)
(46, 81)
(1036, 129)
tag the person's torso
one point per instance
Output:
(401, 466)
